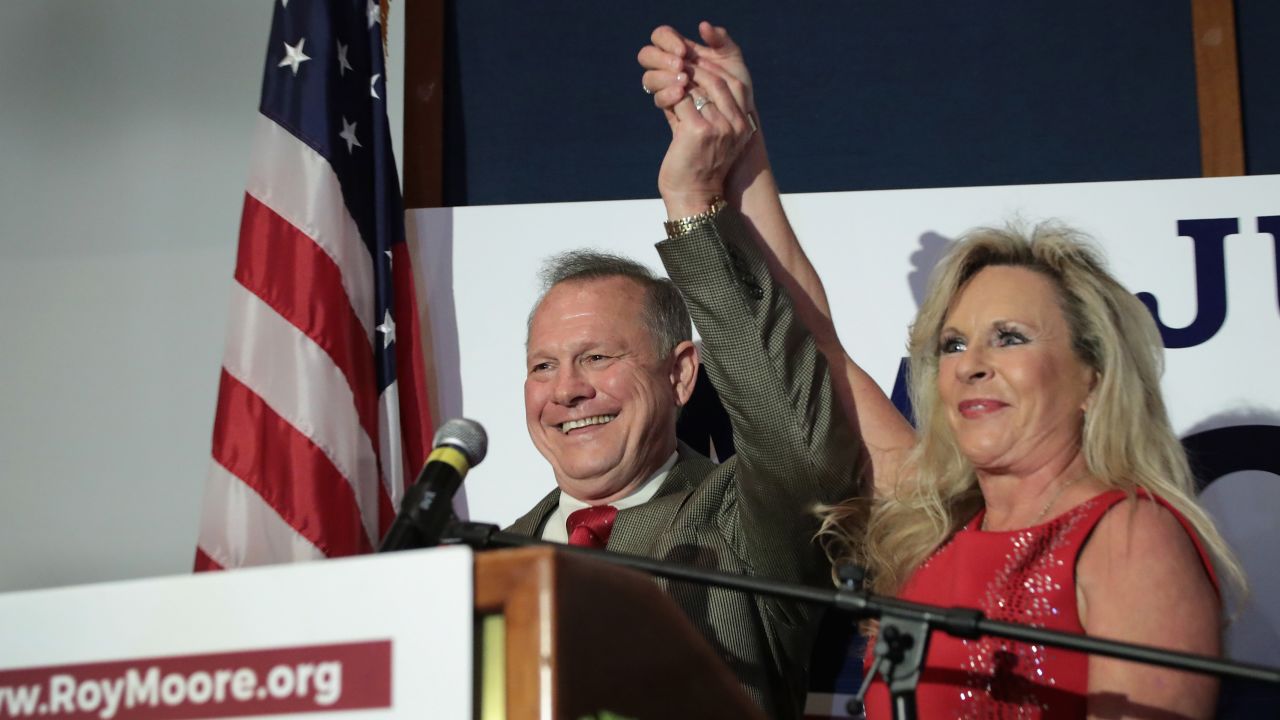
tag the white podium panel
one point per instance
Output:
(376, 636)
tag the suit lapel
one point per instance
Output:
(530, 524)
(638, 528)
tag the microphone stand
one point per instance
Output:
(905, 626)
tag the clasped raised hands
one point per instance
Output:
(704, 90)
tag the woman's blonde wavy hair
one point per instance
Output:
(1128, 441)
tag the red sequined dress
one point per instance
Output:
(1025, 576)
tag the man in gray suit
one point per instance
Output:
(601, 399)
(610, 362)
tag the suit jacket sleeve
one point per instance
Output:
(794, 448)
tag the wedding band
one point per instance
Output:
(647, 91)
(751, 118)
(701, 102)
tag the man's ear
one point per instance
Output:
(684, 371)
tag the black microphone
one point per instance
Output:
(428, 506)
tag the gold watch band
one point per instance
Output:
(676, 228)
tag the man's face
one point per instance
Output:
(599, 402)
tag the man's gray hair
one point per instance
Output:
(665, 314)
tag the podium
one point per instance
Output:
(570, 637)
(442, 634)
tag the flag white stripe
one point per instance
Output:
(389, 441)
(268, 354)
(238, 528)
(300, 186)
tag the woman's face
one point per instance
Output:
(1012, 388)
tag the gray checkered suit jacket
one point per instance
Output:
(751, 514)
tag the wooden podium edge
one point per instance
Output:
(517, 584)
(601, 637)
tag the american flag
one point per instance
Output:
(316, 431)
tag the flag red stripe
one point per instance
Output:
(204, 563)
(280, 264)
(415, 415)
(283, 466)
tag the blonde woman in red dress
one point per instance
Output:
(1043, 484)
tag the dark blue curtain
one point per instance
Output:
(544, 100)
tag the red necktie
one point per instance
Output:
(590, 527)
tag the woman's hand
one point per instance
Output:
(671, 57)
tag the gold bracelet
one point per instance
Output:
(676, 228)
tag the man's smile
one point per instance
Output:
(565, 427)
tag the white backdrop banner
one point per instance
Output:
(1203, 253)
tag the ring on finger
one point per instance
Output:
(751, 119)
(646, 89)
(701, 102)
